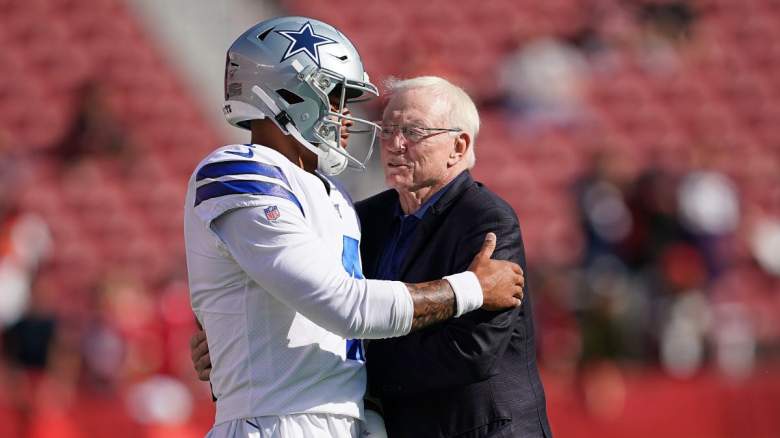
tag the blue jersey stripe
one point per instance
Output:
(243, 187)
(224, 168)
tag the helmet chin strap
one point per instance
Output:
(330, 162)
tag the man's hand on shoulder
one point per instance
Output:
(502, 281)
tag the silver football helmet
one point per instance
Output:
(300, 73)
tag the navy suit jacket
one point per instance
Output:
(473, 376)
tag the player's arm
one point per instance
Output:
(463, 350)
(435, 301)
(293, 264)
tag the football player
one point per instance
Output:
(272, 244)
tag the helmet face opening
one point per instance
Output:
(307, 70)
(335, 89)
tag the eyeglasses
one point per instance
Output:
(411, 132)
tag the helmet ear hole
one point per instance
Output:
(262, 36)
(288, 96)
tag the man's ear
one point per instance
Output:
(461, 145)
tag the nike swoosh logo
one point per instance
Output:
(247, 154)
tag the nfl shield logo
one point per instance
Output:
(272, 213)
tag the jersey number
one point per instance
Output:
(350, 258)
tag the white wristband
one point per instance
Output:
(468, 292)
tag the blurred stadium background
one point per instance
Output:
(638, 141)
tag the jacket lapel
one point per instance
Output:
(433, 219)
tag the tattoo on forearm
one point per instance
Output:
(434, 301)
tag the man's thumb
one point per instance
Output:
(488, 246)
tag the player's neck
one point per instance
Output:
(265, 133)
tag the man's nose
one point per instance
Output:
(396, 143)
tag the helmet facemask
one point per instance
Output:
(336, 92)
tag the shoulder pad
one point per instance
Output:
(237, 176)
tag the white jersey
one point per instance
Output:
(275, 280)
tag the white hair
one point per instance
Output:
(463, 113)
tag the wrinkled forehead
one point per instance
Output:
(416, 105)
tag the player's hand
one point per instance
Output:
(199, 352)
(502, 281)
(373, 426)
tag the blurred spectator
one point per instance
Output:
(708, 203)
(163, 404)
(95, 128)
(666, 26)
(652, 200)
(709, 208)
(543, 84)
(43, 369)
(24, 237)
(121, 339)
(103, 350)
(670, 20)
(765, 244)
(605, 38)
(607, 313)
(600, 197)
(682, 338)
(24, 242)
(560, 343)
(28, 341)
(734, 339)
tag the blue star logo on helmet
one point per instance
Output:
(304, 40)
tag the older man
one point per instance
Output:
(476, 375)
